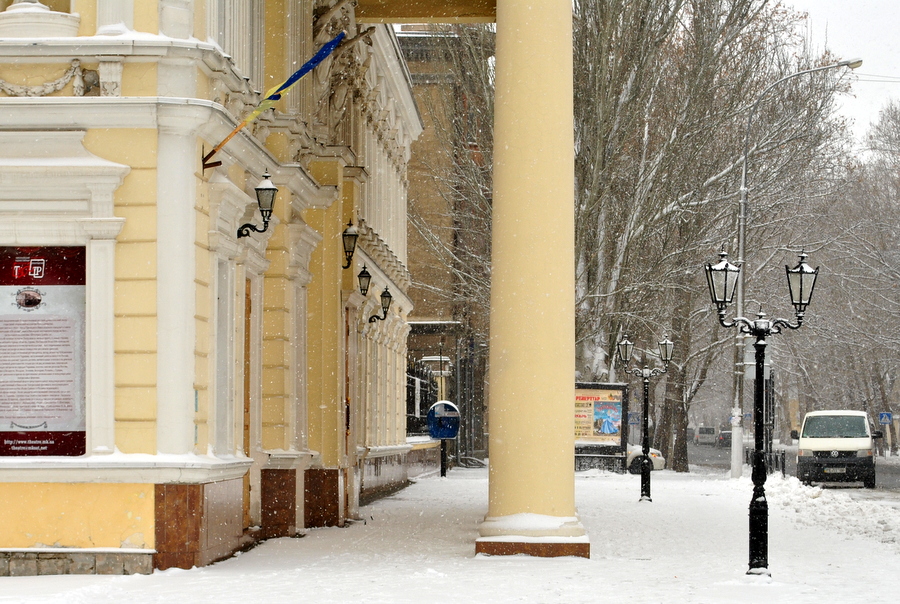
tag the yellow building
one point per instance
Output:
(169, 391)
(172, 391)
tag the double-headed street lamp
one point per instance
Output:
(738, 380)
(665, 354)
(722, 279)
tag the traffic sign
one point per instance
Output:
(634, 418)
(885, 418)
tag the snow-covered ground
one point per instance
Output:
(688, 546)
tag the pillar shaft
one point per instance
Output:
(532, 351)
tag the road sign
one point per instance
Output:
(885, 418)
(634, 418)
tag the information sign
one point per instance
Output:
(599, 413)
(42, 351)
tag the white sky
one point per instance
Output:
(862, 28)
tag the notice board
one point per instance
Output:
(599, 412)
(42, 351)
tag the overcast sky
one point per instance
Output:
(867, 29)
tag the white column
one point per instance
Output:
(101, 390)
(175, 297)
(115, 12)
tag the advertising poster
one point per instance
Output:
(42, 351)
(599, 410)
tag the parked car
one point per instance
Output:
(705, 435)
(633, 461)
(724, 439)
(836, 446)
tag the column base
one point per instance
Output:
(539, 549)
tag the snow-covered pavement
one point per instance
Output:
(688, 546)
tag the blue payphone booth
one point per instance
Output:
(443, 420)
(443, 424)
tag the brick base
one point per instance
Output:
(538, 550)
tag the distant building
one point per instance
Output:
(446, 328)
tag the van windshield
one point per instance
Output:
(835, 426)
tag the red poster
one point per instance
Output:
(42, 351)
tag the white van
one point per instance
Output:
(705, 435)
(836, 446)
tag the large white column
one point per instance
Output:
(532, 350)
(175, 290)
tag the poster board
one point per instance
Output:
(42, 351)
(601, 412)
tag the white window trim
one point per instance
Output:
(60, 194)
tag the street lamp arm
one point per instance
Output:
(759, 327)
(851, 63)
(645, 372)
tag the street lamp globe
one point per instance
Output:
(722, 279)
(666, 346)
(801, 281)
(626, 347)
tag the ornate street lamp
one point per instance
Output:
(265, 198)
(743, 209)
(625, 348)
(365, 278)
(721, 279)
(386, 299)
(349, 237)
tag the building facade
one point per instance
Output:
(172, 392)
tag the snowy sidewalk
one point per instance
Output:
(689, 545)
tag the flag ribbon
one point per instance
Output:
(274, 95)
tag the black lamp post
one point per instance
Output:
(265, 197)
(722, 278)
(665, 355)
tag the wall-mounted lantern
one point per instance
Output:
(265, 197)
(386, 299)
(349, 237)
(364, 280)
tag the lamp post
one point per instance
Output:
(625, 348)
(722, 279)
(737, 441)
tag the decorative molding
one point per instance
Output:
(125, 468)
(303, 241)
(377, 249)
(110, 70)
(74, 72)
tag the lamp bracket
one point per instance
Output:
(246, 229)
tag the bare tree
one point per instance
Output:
(662, 91)
(851, 357)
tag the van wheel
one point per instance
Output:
(869, 483)
(635, 467)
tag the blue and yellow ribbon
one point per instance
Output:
(274, 95)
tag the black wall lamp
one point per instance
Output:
(386, 299)
(350, 235)
(364, 280)
(265, 197)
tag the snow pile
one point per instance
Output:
(838, 510)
